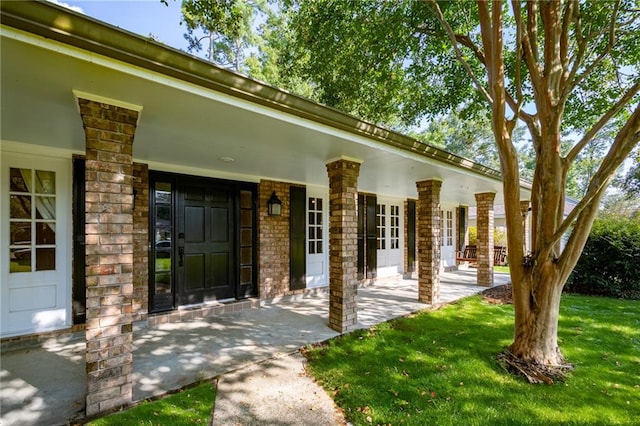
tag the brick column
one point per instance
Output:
(109, 132)
(484, 222)
(526, 229)
(428, 240)
(343, 244)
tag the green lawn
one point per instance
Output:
(504, 269)
(439, 368)
(191, 406)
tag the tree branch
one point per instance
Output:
(616, 108)
(589, 69)
(463, 62)
(623, 144)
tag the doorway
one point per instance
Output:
(203, 234)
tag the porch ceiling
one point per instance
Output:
(186, 127)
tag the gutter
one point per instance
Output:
(63, 25)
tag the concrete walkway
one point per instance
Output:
(46, 385)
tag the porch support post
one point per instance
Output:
(485, 225)
(109, 132)
(428, 218)
(343, 244)
(524, 209)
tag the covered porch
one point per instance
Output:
(47, 384)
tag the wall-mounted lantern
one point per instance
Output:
(274, 205)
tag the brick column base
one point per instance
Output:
(109, 132)
(428, 240)
(485, 226)
(343, 244)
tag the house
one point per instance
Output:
(500, 221)
(139, 183)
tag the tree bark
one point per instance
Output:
(536, 325)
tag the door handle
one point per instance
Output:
(181, 256)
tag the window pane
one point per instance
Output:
(245, 237)
(245, 200)
(20, 260)
(45, 259)
(163, 192)
(20, 207)
(245, 255)
(318, 218)
(45, 182)
(20, 233)
(163, 215)
(312, 218)
(312, 233)
(163, 263)
(45, 233)
(163, 283)
(45, 208)
(318, 246)
(319, 204)
(17, 180)
(312, 247)
(245, 218)
(245, 275)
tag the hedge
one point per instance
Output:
(610, 262)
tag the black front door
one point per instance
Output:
(205, 240)
(206, 246)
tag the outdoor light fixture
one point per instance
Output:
(275, 205)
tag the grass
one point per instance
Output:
(191, 406)
(439, 368)
(504, 269)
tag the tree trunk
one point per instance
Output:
(536, 319)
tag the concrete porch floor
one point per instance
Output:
(46, 385)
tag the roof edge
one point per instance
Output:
(66, 26)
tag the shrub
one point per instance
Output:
(610, 261)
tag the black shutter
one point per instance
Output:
(372, 237)
(298, 238)
(411, 235)
(79, 250)
(361, 235)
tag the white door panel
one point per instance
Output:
(317, 238)
(35, 256)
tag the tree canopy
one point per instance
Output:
(568, 70)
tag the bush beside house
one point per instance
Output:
(610, 262)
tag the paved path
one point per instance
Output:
(46, 385)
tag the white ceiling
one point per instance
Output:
(183, 126)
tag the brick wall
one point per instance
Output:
(109, 132)
(343, 244)
(273, 273)
(485, 225)
(428, 240)
(140, 297)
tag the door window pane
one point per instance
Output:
(45, 259)
(45, 233)
(17, 180)
(20, 260)
(394, 219)
(45, 182)
(20, 233)
(314, 226)
(381, 226)
(31, 250)
(20, 207)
